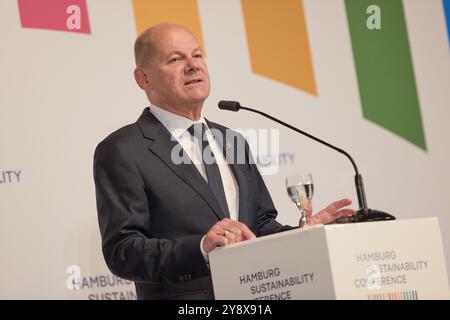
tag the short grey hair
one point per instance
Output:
(144, 48)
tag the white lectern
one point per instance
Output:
(402, 259)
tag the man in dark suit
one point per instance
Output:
(162, 207)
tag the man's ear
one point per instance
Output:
(141, 78)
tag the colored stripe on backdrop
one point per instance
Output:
(384, 69)
(446, 4)
(182, 12)
(61, 15)
(278, 42)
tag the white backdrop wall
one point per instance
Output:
(63, 92)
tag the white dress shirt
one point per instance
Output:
(177, 126)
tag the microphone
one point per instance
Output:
(364, 214)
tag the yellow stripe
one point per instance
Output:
(278, 42)
(182, 12)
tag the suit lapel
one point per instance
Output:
(161, 143)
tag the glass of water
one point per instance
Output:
(300, 188)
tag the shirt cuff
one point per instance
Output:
(205, 255)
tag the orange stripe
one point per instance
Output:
(278, 42)
(182, 12)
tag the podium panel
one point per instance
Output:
(395, 260)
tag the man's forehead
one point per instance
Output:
(182, 46)
(171, 34)
(180, 49)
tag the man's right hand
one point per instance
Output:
(225, 232)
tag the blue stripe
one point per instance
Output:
(446, 4)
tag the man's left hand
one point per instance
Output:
(330, 213)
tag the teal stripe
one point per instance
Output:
(384, 69)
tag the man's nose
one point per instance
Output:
(192, 65)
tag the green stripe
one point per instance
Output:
(384, 69)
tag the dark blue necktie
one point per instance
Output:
(211, 167)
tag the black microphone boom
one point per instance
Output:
(364, 213)
(229, 105)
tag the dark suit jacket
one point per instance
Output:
(153, 213)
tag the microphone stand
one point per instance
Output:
(364, 214)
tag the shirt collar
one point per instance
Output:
(175, 124)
